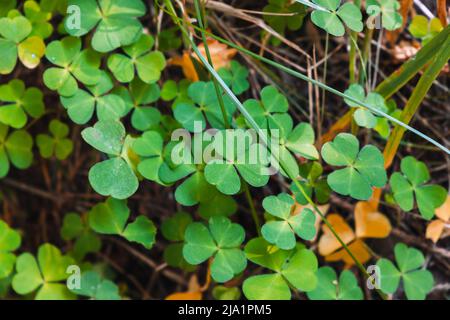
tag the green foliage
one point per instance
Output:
(76, 228)
(18, 102)
(290, 16)
(221, 240)
(138, 56)
(115, 176)
(169, 39)
(43, 276)
(391, 19)
(115, 22)
(235, 77)
(315, 186)
(292, 268)
(410, 183)
(364, 117)
(111, 216)
(149, 147)
(173, 229)
(72, 64)
(15, 148)
(363, 170)
(109, 106)
(96, 288)
(57, 144)
(425, 29)
(334, 16)
(282, 231)
(204, 106)
(10, 241)
(16, 41)
(329, 288)
(139, 99)
(226, 293)
(417, 282)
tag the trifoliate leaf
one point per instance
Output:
(364, 169)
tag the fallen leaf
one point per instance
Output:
(194, 291)
(358, 249)
(436, 228)
(370, 223)
(328, 242)
(220, 53)
(405, 50)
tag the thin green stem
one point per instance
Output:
(255, 217)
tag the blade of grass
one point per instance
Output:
(263, 137)
(329, 89)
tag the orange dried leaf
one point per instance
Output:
(328, 242)
(358, 249)
(435, 230)
(186, 65)
(370, 223)
(443, 212)
(185, 296)
(221, 56)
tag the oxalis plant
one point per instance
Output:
(135, 143)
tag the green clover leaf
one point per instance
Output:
(329, 288)
(111, 217)
(313, 184)
(57, 144)
(363, 169)
(417, 282)
(20, 102)
(282, 231)
(114, 176)
(14, 148)
(411, 181)
(364, 117)
(10, 241)
(77, 228)
(271, 110)
(178, 92)
(391, 19)
(235, 77)
(138, 99)
(224, 171)
(293, 268)
(333, 16)
(281, 23)
(173, 229)
(96, 288)
(109, 106)
(115, 22)
(220, 240)
(148, 64)
(425, 29)
(72, 65)
(149, 147)
(43, 275)
(226, 293)
(17, 41)
(39, 19)
(204, 106)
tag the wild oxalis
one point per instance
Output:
(258, 184)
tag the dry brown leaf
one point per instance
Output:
(194, 291)
(328, 242)
(405, 50)
(436, 229)
(442, 11)
(358, 249)
(221, 56)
